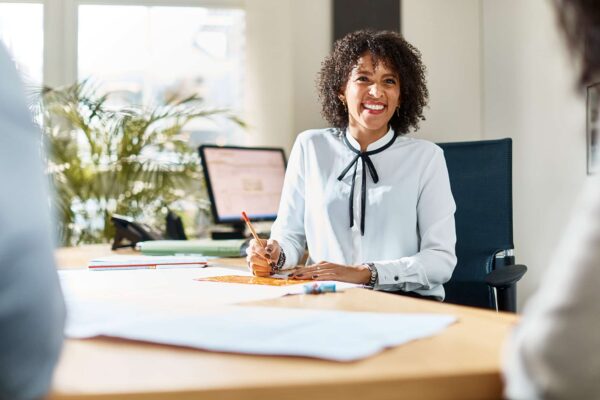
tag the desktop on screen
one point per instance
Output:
(243, 179)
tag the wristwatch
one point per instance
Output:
(374, 275)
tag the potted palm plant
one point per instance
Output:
(131, 160)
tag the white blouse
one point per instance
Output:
(409, 214)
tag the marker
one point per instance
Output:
(318, 288)
(254, 234)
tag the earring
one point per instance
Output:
(398, 111)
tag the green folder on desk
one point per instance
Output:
(206, 247)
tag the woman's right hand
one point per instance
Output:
(261, 258)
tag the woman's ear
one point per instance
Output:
(342, 98)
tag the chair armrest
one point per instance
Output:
(505, 276)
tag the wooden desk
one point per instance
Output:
(461, 363)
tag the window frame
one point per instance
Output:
(61, 29)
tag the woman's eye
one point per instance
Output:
(390, 81)
(362, 79)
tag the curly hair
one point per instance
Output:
(384, 46)
(580, 23)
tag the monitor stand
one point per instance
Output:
(238, 232)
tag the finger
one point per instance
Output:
(325, 277)
(258, 251)
(310, 273)
(299, 272)
(315, 268)
(259, 263)
(272, 246)
(259, 260)
(254, 245)
(262, 260)
(262, 274)
(260, 269)
(251, 247)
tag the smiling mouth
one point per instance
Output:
(373, 107)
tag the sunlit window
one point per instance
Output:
(22, 32)
(147, 54)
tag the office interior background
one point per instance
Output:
(496, 68)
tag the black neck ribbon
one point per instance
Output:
(366, 164)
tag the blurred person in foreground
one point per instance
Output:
(554, 352)
(32, 310)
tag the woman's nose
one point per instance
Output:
(374, 90)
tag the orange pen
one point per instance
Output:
(254, 234)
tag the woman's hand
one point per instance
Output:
(326, 271)
(261, 260)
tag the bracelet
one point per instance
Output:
(374, 275)
(280, 262)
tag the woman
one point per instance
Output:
(553, 353)
(373, 206)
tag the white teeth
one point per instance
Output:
(374, 107)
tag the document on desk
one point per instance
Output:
(99, 298)
(171, 307)
(331, 335)
(162, 288)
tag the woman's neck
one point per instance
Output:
(365, 137)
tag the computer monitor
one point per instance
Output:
(243, 179)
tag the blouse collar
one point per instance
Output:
(382, 141)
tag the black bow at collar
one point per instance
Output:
(366, 164)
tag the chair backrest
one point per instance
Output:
(481, 180)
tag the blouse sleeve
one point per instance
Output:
(288, 229)
(434, 263)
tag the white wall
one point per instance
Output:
(287, 40)
(448, 35)
(499, 69)
(529, 95)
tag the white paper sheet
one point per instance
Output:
(97, 299)
(331, 335)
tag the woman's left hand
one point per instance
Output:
(326, 271)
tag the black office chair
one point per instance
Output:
(481, 180)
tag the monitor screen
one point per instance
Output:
(243, 179)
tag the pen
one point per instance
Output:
(317, 288)
(254, 234)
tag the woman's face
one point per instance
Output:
(372, 95)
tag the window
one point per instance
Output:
(21, 31)
(144, 50)
(152, 53)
